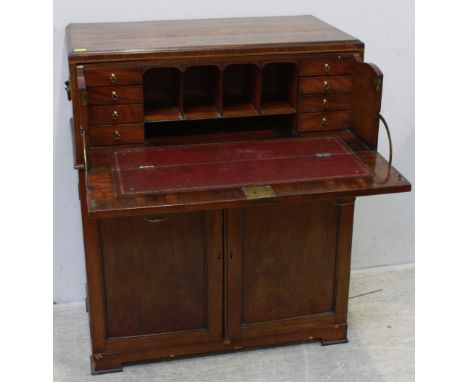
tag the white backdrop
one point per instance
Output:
(384, 225)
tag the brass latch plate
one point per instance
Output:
(258, 192)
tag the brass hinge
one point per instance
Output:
(84, 98)
(258, 192)
(377, 84)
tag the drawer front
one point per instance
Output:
(114, 135)
(110, 95)
(323, 121)
(332, 84)
(108, 77)
(106, 115)
(324, 102)
(324, 67)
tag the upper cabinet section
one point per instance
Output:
(171, 38)
(320, 92)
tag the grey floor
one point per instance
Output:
(380, 348)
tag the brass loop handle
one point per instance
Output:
(324, 122)
(325, 103)
(390, 145)
(116, 135)
(327, 67)
(114, 95)
(155, 219)
(115, 115)
(113, 78)
(326, 85)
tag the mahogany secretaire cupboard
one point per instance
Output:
(218, 163)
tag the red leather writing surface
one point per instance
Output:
(235, 164)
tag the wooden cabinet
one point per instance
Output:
(217, 179)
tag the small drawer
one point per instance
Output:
(323, 67)
(107, 77)
(106, 115)
(115, 135)
(324, 102)
(110, 95)
(332, 84)
(338, 120)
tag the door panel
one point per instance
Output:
(281, 268)
(366, 101)
(163, 275)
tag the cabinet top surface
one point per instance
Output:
(262, 34)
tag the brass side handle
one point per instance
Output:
(116, 135)
(115, 115)
(324, 122)
(326, 67)
(114, 95)
(113, 78)
(155, 219)
(68, 90)
(325, 103)
(326, 85)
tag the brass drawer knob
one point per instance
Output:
(113, 78)
(326, 67)
(116, 135)
(326, 85)
(115, 115)
(114, 96)
(325, 103)
(324, 122)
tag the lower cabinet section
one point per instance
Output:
(197, 282)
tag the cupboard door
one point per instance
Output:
(281, 268)
(163, 277)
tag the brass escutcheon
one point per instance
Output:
(114, 95)
(326, 85)
(325, 103)
(116, 135)
(113, 78)
(324, 122)
(326, 67)
(115, 115)
(258, 192)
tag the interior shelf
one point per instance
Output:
(201, 112)
(279, 88)
(240, 90)
(277, 107)
(161, 88)
(171, 94)
(201, 92)
(162, 113)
